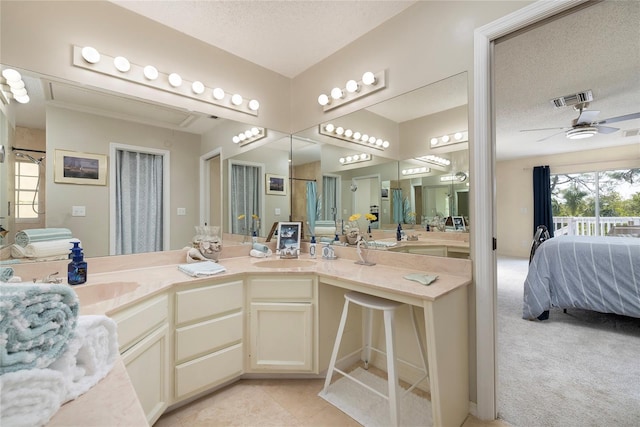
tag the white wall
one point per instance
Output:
(514, 189)
(82, 132)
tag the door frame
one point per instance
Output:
(483, 184)
(205, 191)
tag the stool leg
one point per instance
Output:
(336, 346)
(368, 335)
(392, 374)
(421, 346)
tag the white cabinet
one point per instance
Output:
(283, 324)
(144, 342)
(208, 336)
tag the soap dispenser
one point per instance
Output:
(399, 233)
(312, 247)
(77, 270)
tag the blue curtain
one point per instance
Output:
(542, 211)
(398, 205)
(312, 206)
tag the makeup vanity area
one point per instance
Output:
(163, 317)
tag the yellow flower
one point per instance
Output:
(241, 216)
(411, 214)
(254, 216)
(354, 217)
(370, 217)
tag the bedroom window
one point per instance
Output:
(593, 203)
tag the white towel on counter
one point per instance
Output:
(30, 397)
(52, 248)
(204, 268)
(90, 355)
(324, 231)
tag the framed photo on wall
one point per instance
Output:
(276, 184)
(72, 167)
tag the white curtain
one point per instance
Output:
(329, 198)
(139, 203)
(244, 197)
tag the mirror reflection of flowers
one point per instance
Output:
(255, 224)
(411, 218)
(243, 224)
(370, 218)
(352, 229)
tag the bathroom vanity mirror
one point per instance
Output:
(400, 183)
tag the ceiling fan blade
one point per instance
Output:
(534, 130)
(587, 116)
(631, 116)
(550, 136)
(606, 129)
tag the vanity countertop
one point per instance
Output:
(121, 284)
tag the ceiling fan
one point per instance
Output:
(586, 125)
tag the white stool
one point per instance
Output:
(388, 307)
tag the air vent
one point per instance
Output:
(630, 132)
(576, 98)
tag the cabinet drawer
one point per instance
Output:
(287, 288)
(136, 322)
(201, 303)
(207, 336)
(208, 371)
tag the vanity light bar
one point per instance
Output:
(415, 171)
(12, 86)
(353, 136)
(452, 138)
(355, 158)
(250, 135)
(370, 83)
(89, 58)
(435, 160)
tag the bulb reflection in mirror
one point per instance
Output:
(323, 100)
(218, 94)
(150, 72)
(254, 105)
(368, 78)
(236, 99)
(352, 86)
(175, 80)
(197, 87)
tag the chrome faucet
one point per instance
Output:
(51, 279)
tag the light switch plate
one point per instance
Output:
(277, 211)
(182, 211)
(78, 211)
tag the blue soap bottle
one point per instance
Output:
(399, 233)
(77, 270)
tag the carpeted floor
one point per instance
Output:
(371, 410)
(576, 369)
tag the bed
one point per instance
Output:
(593, 273)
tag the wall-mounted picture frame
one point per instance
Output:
(289, 234)
(458, 223)
(73, 167)
(276, 184)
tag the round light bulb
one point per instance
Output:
(423, 169)
(218, 94)
(323, 100)
(197, 87)
(16, 84)
(236, 99)
(336, 93)
(458, 136)
(368, 78)
(255, 131)
(248, 133)
(341, 159)
(356, 157)
(379, 142)
(122, 64)
(236, 140)
(348, 133)
(357, 135)
(24, 99)
(445, 138)
(340, 130)
(404, 171)
(11, 75)
(91, 55)
(364, 138)
(150, 72)
(349, 158)
(372, 140)
(385, 144)
(175, 80)
(18, 91)
(352, 86)
(242, 137)
(329, 127)
(434, 141)
(364, 156)
(254, 105)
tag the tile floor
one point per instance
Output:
(276, 402)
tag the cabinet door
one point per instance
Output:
(148, 370)
(281, 336)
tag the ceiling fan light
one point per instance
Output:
(582, 132)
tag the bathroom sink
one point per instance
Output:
(285, 263)
(91, 294)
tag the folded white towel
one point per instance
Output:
(324, 231)
(259, 254)
(44, 249)
(90, 355)
(204, 268)
(30, 397)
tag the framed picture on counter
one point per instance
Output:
(289, 234)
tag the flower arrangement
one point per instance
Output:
(352, 229)
(255, 224)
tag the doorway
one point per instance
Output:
(211, 189)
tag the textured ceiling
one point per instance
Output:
(284, 36)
